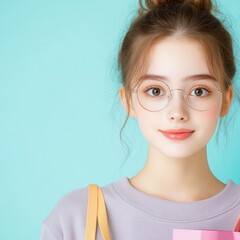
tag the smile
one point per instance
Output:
(180, 134)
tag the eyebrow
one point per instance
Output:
(191, 77)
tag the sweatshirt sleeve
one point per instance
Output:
(46, 233)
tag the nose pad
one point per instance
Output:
(179, 98)
(177, 106)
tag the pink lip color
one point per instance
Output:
(177, 134)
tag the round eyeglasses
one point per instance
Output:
(200, 95)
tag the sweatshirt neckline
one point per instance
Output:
(167, 210)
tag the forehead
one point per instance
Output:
(177, 58)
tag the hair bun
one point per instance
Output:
(153, 4)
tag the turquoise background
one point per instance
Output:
(60, 113)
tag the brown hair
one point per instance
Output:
(159, 19)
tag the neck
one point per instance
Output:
(182, 179)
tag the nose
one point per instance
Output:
(177, 107)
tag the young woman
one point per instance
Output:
(177, 69)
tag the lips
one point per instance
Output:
(177, 134)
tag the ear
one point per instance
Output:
(227, 100)
(123, 99)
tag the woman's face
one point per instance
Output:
(177, 59)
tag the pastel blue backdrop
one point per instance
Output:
(60, 114)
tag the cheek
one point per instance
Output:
(209, 120)
(211, 115)
(145, 120)
(143, 116)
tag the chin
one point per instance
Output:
(179, 152)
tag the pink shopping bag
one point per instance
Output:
(187, 234)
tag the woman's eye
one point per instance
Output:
(200, 92)
(155, 91)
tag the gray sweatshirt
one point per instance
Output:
(134, 215)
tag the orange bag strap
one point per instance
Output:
(96, 212)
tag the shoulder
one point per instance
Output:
(73, 200)
(72, 206)
(70, 209)
(68, 216)
(231, 195)
(234, 188)
(69, 203)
